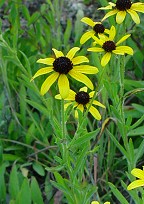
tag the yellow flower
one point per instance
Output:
(108, 46)
(137, 183)
(121, 8)
(62, 66)
(96, 202)
(81, 100)
(97, 28)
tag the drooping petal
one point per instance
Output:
(47, 61)
(94, 202)
(134, 16)
(48, 83)
(79, 60)
(138, 173)
(88, 21)
(57, 53)
(72, 52)
(123, 39)
(83, 89)
(71, 96)
(58, 96)
(63, 84)
(97, 103)
(105, 59)
(86, 69)
(80, 107)
(124, 49)
(120, 16)
(110, 13)
(112, 33)
(138, 7)
(66, 105)
(86, 36)
(135, 184)
(95, 113)
(95, 49)
(82, 78)
(42, 71)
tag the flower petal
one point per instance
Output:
(57, 53)
(80, 107)
(72, 52)
(63, 84)
(138, 173)
(97, 103)
(138, 7)
(105, 59)
(135, 184)
(79, 60)
(124, 49)
(94, 202)
(134, 16)
(82, 78)
(112, 33)
(84, 89)
(120, 16)
(42, 71)
(91, 94)
(110, 13)
(47, 61)
(71, 96)
(101, 40)
(66, 105)
(48, 83)
(86, 36)
(88, 21)
(58, 96)
(95, 113)
(86, 69)
(123, 39)
(95, 49)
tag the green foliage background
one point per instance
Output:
(29, 157)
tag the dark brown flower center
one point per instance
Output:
(62, 65)
(82, 98)
(123, 5)
(109, 46)
(99, 28)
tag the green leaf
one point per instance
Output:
(2, 184)
(38, 168)
(34, 18)
(24, 196)
(137, 131)
(85, 138)
(67, 32)
(118, 194)
(120, 147)
(35, 192)
(14, 183)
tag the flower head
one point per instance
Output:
(139, 182)
(81, 100)
(96, 202)
(109, 47)
(97, 28)
(121, 8)
(62, 66)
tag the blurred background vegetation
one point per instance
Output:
(29, 30)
